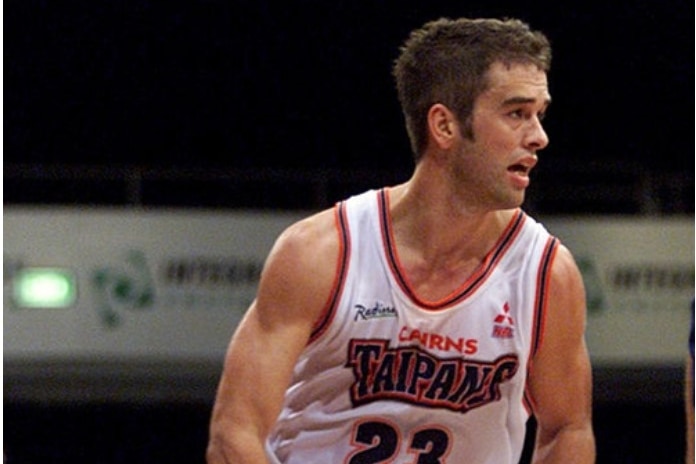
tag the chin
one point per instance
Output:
(508, 199)
(513, 203)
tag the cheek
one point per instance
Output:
(495, 137)
(494, 150)
(479, 165)
(497, 145)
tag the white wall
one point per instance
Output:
(639, 279)
(173, 284)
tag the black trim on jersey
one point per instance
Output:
(483, 274)
(545, 273)
(342, 268)
(498, 252)
(539, 311)
(386, 233)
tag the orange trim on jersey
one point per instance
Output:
(471, 284)
(540, 304)
(329, 311)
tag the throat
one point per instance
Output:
(438, 255)
(433, 281)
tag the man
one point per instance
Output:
(423, 322)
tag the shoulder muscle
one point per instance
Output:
(298, 274)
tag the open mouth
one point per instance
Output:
(519, 169)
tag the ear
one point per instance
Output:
(442, 125)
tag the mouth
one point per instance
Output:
(524, 166)
(519, 169)
(519, 172)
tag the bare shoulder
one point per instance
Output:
(299, 272)
(566, 277)
(306, 244)
(566, 299)
(319, 226)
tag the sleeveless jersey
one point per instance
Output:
(390, 378)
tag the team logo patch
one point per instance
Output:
(504, 324)
(375, 311)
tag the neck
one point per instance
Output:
(429, 216)
(438, 248)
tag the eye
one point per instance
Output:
(517, 114)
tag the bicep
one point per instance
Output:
(276, 328)
(257, 368)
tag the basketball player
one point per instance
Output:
(423, 322)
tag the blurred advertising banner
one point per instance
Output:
(173, 284)
(167, 284)
(639, 282)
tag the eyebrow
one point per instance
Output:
(524, 100)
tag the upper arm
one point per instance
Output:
(560, 378)
(294, 287)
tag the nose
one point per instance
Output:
(536, 137)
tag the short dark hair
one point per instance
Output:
(446, 61)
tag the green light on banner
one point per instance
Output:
(44, 288)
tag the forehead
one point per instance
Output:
(516, 81)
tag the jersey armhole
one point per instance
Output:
(540, 304)
(344, 243)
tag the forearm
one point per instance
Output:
(235, 450)
(569, 445)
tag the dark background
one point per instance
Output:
(307, 83)
(244, 104)
(246, 86)
(129, 433)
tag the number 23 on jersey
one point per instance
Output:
(379, 442)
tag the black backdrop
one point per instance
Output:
(263, 83)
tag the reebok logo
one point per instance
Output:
(376, 311)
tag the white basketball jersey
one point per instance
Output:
(390, 378)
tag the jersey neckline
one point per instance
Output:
(471, 284)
